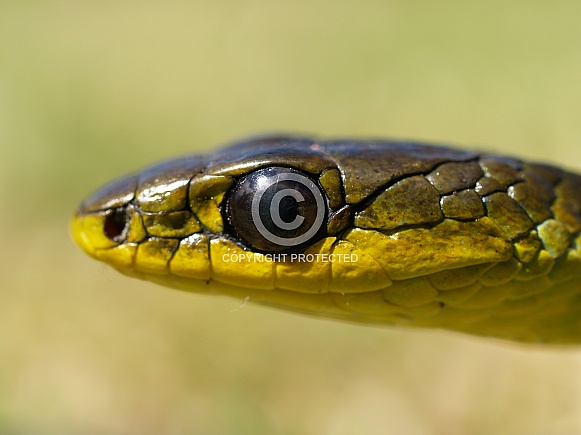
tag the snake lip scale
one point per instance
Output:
(371, 231)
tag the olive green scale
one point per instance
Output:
(449, 239)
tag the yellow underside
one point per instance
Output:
(368, 277)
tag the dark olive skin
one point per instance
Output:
(467, 241)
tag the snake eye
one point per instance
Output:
(277, 210)
(115, 224)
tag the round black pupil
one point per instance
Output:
(289, 209)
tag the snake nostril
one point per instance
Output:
(115, 224)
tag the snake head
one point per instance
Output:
(188, 217)
(370, 231)
(149, 209)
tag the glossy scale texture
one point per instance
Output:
(435, 237)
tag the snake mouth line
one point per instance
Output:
(379, 232)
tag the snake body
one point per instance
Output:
(379, 232)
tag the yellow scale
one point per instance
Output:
(368, 231)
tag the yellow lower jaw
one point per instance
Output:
(89, 228)
(200, 258)
(490, 299)
(120, 257)
(79, 235)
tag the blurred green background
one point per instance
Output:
(91, 90)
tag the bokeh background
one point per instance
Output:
(91, 90)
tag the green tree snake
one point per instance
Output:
(378, 232)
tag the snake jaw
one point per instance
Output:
(79, 234)
(441, 238)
